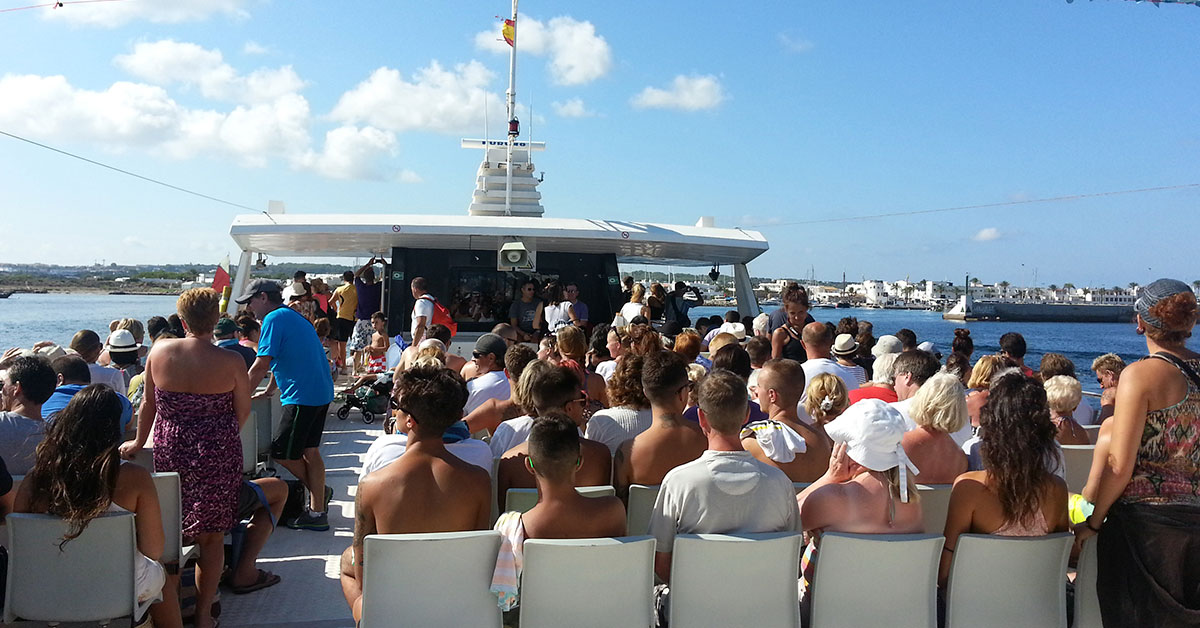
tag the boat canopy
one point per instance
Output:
(362, 235)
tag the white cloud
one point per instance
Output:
(408, 176)
(167, 62)
(686, 93)
(986, 234)
(795, 44)
(351, 153)
(577, 54)
(436, 99)
(254, 48)
(573, 108)
(112, 14)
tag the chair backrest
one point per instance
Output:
(1008, 581)
(495, 490)
(524, 499)
(167, 487)
(641, 504)
(1093, 433)
(1087, 602)
(89, 580)
(900, 571)
(588, 582)
(1078, 459)
(249, 436)
(440, 579)
(756, 574)
(935, 503)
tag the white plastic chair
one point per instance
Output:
(586, 583)
(1078, 459)
(249, 437)
(1087, 602)
(756, 575)
(935, 504)
(641, 504)
(1093, 433)
(175, 554)
(1008, 581)
(91, 579)
(430, 580)
(899, 570)
(524, 499)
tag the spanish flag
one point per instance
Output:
(510, 32)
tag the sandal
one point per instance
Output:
(265, 579)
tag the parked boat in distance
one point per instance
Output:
(968, 309)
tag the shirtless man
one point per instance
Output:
(557, 390)
(438, 332)
(555, 457)
(780, 386)
(493, 412)
(427, 489)
(671, 440)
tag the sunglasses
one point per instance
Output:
(478, 354)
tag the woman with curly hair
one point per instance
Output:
(1147, 500)
(629, 412)
(1016, 494)
(79, 476)
(572, 345)
(197, 397)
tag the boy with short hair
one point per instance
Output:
(427, 489)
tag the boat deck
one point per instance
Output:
(310, 594)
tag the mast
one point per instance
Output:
(513, 125)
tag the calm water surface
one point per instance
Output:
(28, 318)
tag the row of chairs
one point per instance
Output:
(91, 578)
(718, 579)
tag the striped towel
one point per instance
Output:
(506, 580)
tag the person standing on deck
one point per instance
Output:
(345, 301)
(370, 295)
(422, 312)
(290, 349)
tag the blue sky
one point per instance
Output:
(774, 112)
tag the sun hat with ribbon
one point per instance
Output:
(872, 431)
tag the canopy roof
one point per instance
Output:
(361, 235)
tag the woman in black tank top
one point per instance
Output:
(785, 341)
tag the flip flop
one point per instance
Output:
(265, 579)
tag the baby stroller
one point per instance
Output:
(373, 399)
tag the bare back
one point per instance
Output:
(975, 506)
(596, 469)
(936, 454)
(862, 505)
(425, 492)
(805, 467)
(576, 517)
(193, 365)
(665, 445)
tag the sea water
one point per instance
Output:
(29, 318)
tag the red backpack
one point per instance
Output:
(441, 316)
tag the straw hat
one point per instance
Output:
(845, 345)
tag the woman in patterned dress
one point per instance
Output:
(197, 397)
(1147, 509)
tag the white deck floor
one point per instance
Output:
(310, 593)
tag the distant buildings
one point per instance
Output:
(929, 293)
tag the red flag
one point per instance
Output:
(510, 32)
(221, 276)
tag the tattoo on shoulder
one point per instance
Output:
(360, 521)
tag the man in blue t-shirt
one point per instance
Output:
(74, 376)
(288, 346)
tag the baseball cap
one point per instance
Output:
(255, 287)
(491, 343)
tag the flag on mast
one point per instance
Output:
(510, 32)
(221, 276)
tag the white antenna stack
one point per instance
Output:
(504, 183)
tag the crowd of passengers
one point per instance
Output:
(724, 417)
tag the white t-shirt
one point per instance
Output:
(613, 426)
(629, 311)
(815, 366)
(509, 434)
(110, 376)
(606, 369)
(387, 448)
(490, 385)
(557, 315)
(723, 492)
(423, 307)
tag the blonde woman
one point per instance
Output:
(827, 399)
(1063, 393)
(939, 410)
(977, 387)
(636, 306)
